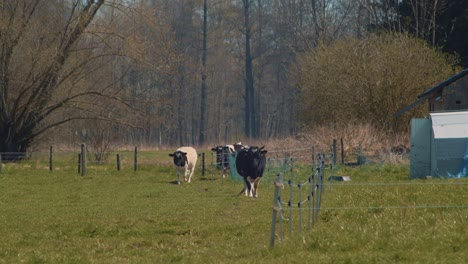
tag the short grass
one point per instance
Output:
(144, 217)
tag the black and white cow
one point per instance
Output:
(238, 146)
(222, 157)
(185, 157)
(250, 164)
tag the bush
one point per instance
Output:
(367, 81)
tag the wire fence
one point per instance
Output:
(297, 204)
(308, 197)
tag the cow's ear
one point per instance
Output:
(213, 149)
(183, 153)
(171, 155)
(263, 152)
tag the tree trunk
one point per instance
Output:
(250, 115)
(201, 136)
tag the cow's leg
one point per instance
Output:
(252, 187)
(178, 174)
(243, 190)
(252, 190)
(186, 172)
(192, 170)
(247, 187)
(255, 186)
(226, 165)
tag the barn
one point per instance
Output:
(439, 142)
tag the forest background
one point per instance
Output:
(197, 72)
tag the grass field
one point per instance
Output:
(143, 217)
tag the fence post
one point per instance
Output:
(334, 153)
(311, 199)
(342, 151)
(223, 168)
(118, 162)
(203, 164)
(83, 159)
(213, 165)
(276, 208)
(322, 171)
(79, 163)
(313, 160)
(135, 163)
(318, 192)
(318, 197)
(290, 182)
(1, 162)
(50, 159)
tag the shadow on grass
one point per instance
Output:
(208, 179)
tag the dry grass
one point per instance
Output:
(357, 139)
(363, 139)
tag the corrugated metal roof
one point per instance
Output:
(450, 124)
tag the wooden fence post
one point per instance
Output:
(342, 151)
(79, 163)
(313, 160)
(118, 162)
(135, 162)
(1, 162)
(50, 159)
(276, 208)
(83, 159)
(334, 153)
(203, 163)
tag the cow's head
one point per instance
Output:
(238, 146)
(256, 152)
(217, 149)
(222, 159)
(180, 158)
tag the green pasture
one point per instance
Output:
(128, 216)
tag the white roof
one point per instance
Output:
(450, 124)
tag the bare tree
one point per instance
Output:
(381, 14)
(35, 65)
(425, 13)
(85, 60)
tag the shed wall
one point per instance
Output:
(453, 97)
(450, 157)
(420, 155)
(439, 145)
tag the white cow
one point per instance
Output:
(185, 157)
